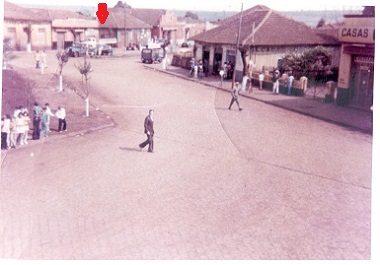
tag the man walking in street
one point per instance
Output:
(149, 131)
(61, 115)
(235, 96)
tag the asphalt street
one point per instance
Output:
(263, 183)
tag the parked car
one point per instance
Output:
(151, 55)
(105, 49)
(90, 42)
(78, 49)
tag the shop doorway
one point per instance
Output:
(217, 63)
(361, 91)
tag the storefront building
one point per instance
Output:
(264, 41)
(356, 70)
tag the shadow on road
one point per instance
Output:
(129, 149)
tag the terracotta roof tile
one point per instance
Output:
(149, 16)
(117, 19)
(16, 12)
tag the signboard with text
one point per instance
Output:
(357, 34)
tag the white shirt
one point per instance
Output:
(261, 77)
(61, 113)
(16, 113)
(6, 124)
(48, 111)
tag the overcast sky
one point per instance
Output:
(219, 5)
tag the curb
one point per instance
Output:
(342, 124)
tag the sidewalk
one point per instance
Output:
(351, 118)
(43, 89)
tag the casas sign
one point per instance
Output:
(357, 34)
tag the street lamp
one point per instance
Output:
(237, 46)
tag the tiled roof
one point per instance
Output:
(75, 23)
(270, 29)
(227, 32)
(149, 16)
(16, 12)
(117, 20)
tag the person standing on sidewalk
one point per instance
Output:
(149, 131)
(26, 119)
(44, 123)
(20, 129)
(12, 134)
(61, 115)
(43, 59)
(37, 57)
(37, 111)
(261, 80)
(5, 131)
(221, 73)
(276, 82)
(49, 113)
(289, 81)
(235, 96)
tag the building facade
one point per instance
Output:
(128, 31)
(25, 29)
(356, 71)
(265, 35)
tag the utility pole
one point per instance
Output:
(125, 26)
(237, 46)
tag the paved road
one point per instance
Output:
(263, 183)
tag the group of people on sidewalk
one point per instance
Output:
(276, 82)
(198, 69)
(15, 128)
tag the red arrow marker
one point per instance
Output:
(102, 13)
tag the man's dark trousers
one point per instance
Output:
(36, 128)
(60, 122)
(148, 141)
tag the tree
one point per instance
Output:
(244, 56)
(321, 23)
(62, 58)
(8, 54)
(192, 15)
(89, 14)
(28, 31)
(314, 63)
(120, 4)
(85, 70)
(369, 11)
(311, 63)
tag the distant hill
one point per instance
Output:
(310, 18)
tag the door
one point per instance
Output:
(41, 38)
(362, 85)
(60, 40)
(13, 37)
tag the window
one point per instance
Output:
(12, 30)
